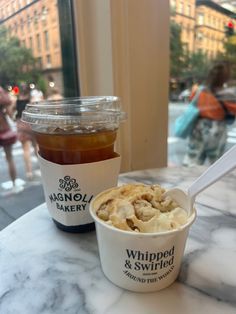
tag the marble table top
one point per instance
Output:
(44, 270)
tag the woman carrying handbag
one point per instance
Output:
(208, 137)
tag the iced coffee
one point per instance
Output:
(77, 156)
(65, 148)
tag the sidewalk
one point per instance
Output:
(12, 206)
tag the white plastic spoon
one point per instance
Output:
(222, 166)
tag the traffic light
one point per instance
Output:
(229, 29)
(16, 90)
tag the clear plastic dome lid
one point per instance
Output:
(94, 111)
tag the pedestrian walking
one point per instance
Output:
(207, 140)
(8, 136)
(25, 134)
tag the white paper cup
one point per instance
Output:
(140, 262)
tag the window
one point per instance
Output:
(181, 7)
(46, 40)
(40, 64)
(207, 46)
(214, 22)
(19, 4)
(36, 18)
(48, 61)
(31, 43)
(16, 27)
(200, 18)
(188, 13)
(44, 14)
(28, 21)
(173, 5)
(8, 11)
(38, 41)
(22, 25)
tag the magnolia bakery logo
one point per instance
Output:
(69, 197)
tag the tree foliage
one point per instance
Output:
(185, 66)
(230, 54)
(196, 66)
(176, 50)
(17, 63)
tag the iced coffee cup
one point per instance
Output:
(141, 236)
(77, 157)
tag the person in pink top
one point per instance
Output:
(8, 138)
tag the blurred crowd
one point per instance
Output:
(12, 129)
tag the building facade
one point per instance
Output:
(183, 13)
(203, 25)
(211, 20)
(36, 24)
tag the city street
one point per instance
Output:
(13, 206)
(176, 146)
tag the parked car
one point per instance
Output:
(174, 96)
(184, 95)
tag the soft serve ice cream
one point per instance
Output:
(139, 208)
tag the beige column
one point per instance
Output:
(123, 50)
